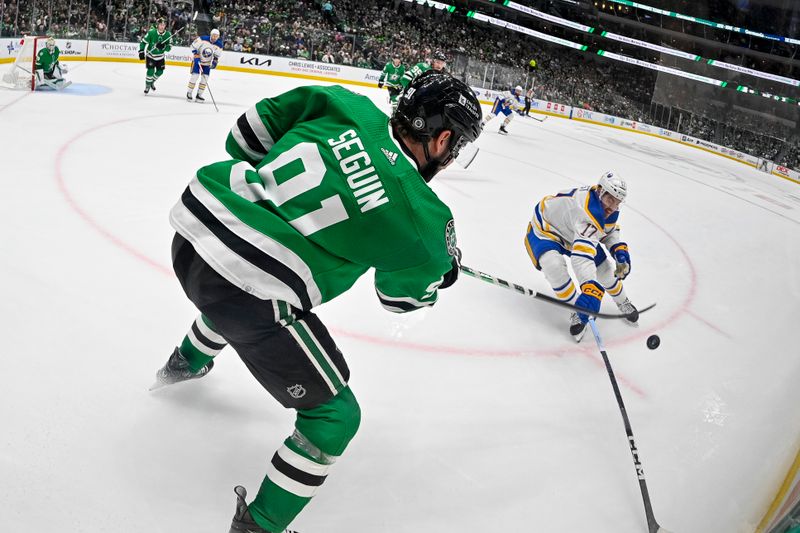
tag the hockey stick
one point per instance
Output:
(208, 86)
(171, 35)
(538, 119)
(652, 525)
(488, 278)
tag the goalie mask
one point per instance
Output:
(51, 44)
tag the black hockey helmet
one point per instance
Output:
(438, 54)
(434, 102)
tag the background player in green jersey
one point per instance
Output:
(322, 187)
(49, 70)
(390, 77)
(152, 49)
(438, 63)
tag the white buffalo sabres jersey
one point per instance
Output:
(575, 219)
(511, 100)
(207, 51)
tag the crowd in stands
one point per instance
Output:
(768, 17)
(368, 33)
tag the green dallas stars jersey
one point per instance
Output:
(318, 192)
(413, 72)
(156, 44)
(391, 75)
(47, 60)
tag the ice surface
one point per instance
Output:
(480, 414)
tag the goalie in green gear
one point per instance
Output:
(49, 71)
(152, 49)
(390, 78)
(322, 187)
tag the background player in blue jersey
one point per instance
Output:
(206, 50)
(506, 103)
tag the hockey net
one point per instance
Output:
(21, 73)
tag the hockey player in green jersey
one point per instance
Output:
(152, 49)
(390, 77)
(321, 187)
(49, 71)
(438, 64)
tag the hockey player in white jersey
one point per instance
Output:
(507, 103)
(573, 224)
(206, 50)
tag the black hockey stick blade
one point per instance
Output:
(488, 278)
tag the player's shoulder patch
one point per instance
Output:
(450, 237)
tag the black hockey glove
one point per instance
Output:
(452, 275)
(380, 85)
(141, 55)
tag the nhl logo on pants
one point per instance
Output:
(296, 391)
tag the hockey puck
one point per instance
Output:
(653, 341)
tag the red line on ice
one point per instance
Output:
(585, 350)
(86, 216)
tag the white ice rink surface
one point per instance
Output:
(479, 415)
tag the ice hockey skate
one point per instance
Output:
(177, 370)
(199, 99)
(630, 310)
(242, 520)
(502, 130)
(189, 96)
(146, 90)
(576, 327)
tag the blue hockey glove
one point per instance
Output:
(214, 64)
(590, 298)
(623, 259)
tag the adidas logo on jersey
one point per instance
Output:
(391, 156)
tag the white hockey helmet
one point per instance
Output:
(214, 32)
(50, 43)
(518, 89)
(614, 184)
